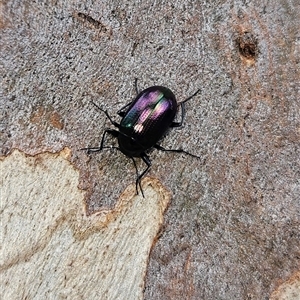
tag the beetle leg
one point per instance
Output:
(147, 161)
(121, 112)
(114, 133)
(190, 97)
(158, 147)
(137, 176)
(178, 124)
(136, 86)
(107, 115)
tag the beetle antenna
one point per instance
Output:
(107, 115)
(189, 98)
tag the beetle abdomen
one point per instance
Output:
(148, 118)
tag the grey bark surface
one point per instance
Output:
(232, 229)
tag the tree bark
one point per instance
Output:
(231, 230)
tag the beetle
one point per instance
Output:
(144, 122)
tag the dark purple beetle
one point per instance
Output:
(144, 122)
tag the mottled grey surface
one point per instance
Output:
(232, 229)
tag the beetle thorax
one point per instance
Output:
(129, 146)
